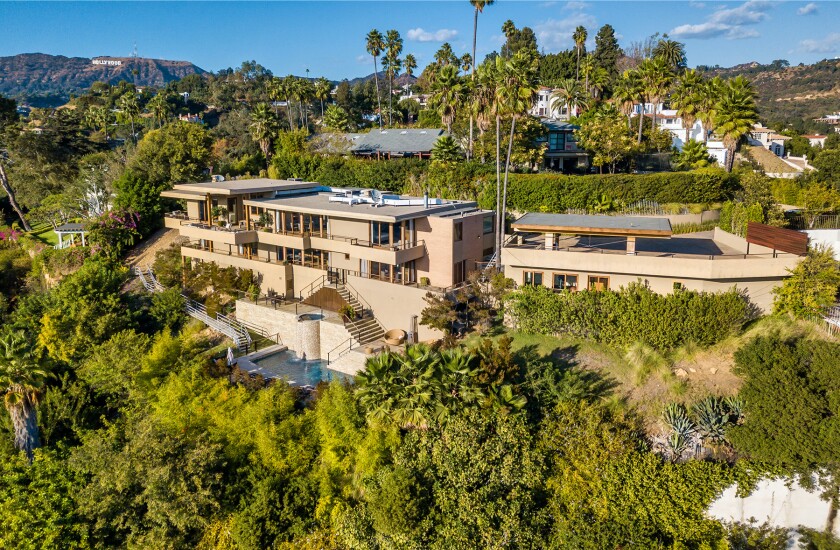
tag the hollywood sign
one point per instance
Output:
(112, 62)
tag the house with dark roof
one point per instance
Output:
(562, 152)
(396, 143)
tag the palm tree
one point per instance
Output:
(567, 94)
(263, 127)
(286, 87)
(684, 98)
(579, 36)
(160, 108)
(129, 109)
(656, 78)
(323, 87)
(394, 45)
(97, 117)
(516, 96)
(708, 104)
(446, 149)
(409, 64)
(671, 52)
(626, 92)
(445, 55)
(600, 79)
(447, 93)
(21, 381)
(482, 98)
(478, 7)
(587, 67)
(375, 45)
(736, 115)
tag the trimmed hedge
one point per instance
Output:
(632, 314)
(556, 193)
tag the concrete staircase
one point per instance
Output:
(365, 328)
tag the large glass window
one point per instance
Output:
(459, 231)
(564, 281)
(533, 278)
(556, 141)
(599, 283)
(488, 223)
(380, 233)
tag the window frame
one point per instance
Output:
(594, 279)
(533, 277)
(565, 280)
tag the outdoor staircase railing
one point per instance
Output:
(233, 329)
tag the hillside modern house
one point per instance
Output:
(297, 236)
(562, 152)
(575, 252)
(396, 143)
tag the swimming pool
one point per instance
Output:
(297, 372)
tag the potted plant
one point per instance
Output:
(219, 213)
(424, 281)
(266, 221)
(254, 293)
(347, 311)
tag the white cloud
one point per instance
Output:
(556, 34)
(807, 9)
(363, 59)
(727, 23)
(576, 6)
(548, 4)
(698, 5)
(829, 44)
(440, 35)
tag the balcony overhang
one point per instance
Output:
(608, 226)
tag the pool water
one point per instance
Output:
(287, 366)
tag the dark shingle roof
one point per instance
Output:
(414, 140)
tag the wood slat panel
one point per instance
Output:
(785, 240)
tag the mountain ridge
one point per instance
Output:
(40, 75)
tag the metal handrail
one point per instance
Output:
(355, 293)
(312, 287)
(349, 343)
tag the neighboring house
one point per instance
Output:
(572, 252)
(293, 234)
(422, 99)
(543, 105)
(194, 119)
(816, 140)
(396, 143)
(832, 120)
(562, 152)
(769, 139)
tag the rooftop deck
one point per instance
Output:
(693, 245)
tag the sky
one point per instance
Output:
(328, 38)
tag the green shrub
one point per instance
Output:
(556, 193)
(632, 314)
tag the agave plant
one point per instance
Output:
(712, 417)
(735, 405)
(677, 443)
(677, 420)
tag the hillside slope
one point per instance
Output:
(41, 75)
(790, 94)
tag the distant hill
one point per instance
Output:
(792, 95)
(401, 80)
(52, 78)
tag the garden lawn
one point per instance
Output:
(44, 233)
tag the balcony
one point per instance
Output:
(395, 254)
(197, 229)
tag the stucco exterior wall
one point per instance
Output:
(394, 305)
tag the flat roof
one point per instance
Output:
(236, 187)
(575, 224)
(319, 203)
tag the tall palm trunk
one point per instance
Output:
(4, 182)
(577, 67)
(390, 97)
(472, 77)
(498, 191)
(376, 82)
(507, 169)
(289, 109)
(322, 108)
(25, 423)
(641, 118)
